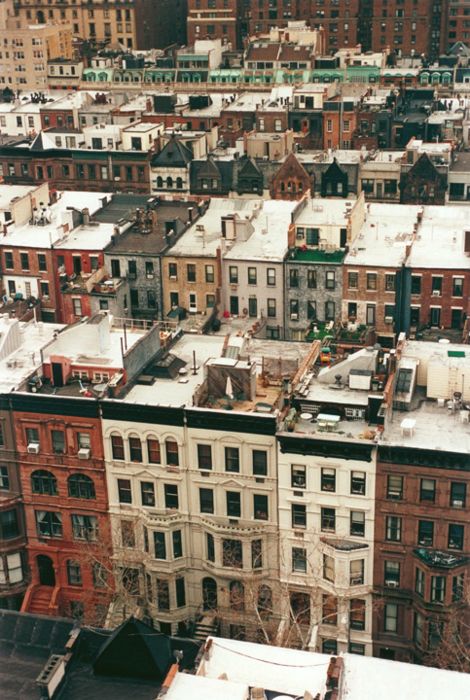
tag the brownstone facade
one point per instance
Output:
(421, 549)
(291, 181)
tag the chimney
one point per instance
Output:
(190, 214)
(86, 216)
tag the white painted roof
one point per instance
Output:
(268, 242)
(185, 686)
(440, 240)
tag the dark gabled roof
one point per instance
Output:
(173, 155)
(136, 650)
(38, 144)
(425, 166)
(222, 169)
(459, 49)
(334, 171)
(249, 169)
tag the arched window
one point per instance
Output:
(44, 482)
(169, 182)
(81, 486)
(237, 595)
(159, 182)
(179, 183)
(117, 446)
(209, 593)
(135, 448)
(265, 600)
(172, 456)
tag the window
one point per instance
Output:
(416, 284)
(232, 554)
(427, 490)
(210, 547)
(392, 574)
(328, 568)
(4, 479)
(298, 476)
(294, 309)
(456, 536)
(330, 280)
(357, 523)
(44, 482)
(252, 307)
(353, 280)
(24, 259)
(438, 589)
(42, 264)
(153, 451)
(393, 528)
(177, 542)
(147, 492)
(9, 525)
(257, 554)
(293, 278)
(9, 265)
(127, 533)
(100, 575)
(356, 572)
(457, 286)
(394, 487)
(358, 483)
(329, 610)
(458, 494)
(11, 569)
(81, 486)
(159, 543)
(391, 617)
(425, 533)
(330, 311)
(84, 527)
(329, 646)
(233, 274)
(32, 436)
(390, 283)
(117, 446)
(260, 462)
(172, 457)
(328, 520)
(232, 459)
(436, 285)
(312, 279)
(124, 490)
(77, 307)
(206, 500)
(172, 271)
(74, 573)
(299, 515)
(260, 507)
(163, 594)
(418, 628)
(233, 499)
(357, 614)
(191, 272)
(171, 496)
(271, 277)
(371, 281)
(204, 456)
(419, 582)
(180, 592)
(458, 587)
(328, 479)
(252, 275)
(135, 449)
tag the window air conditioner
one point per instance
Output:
(33, 448)
(391, 584)
(294, 317)
(84, 453)
(388, 319)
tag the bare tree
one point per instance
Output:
(449, 636)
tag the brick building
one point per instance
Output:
(214, 19)
(291, 180)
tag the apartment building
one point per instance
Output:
(140, 25)
(214, 19)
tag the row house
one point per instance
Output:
(422, 545)
(21, 346)
(253, 251)
(193, 497)
(313, 267)
(134, 256)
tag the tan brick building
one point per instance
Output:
(27, 50)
